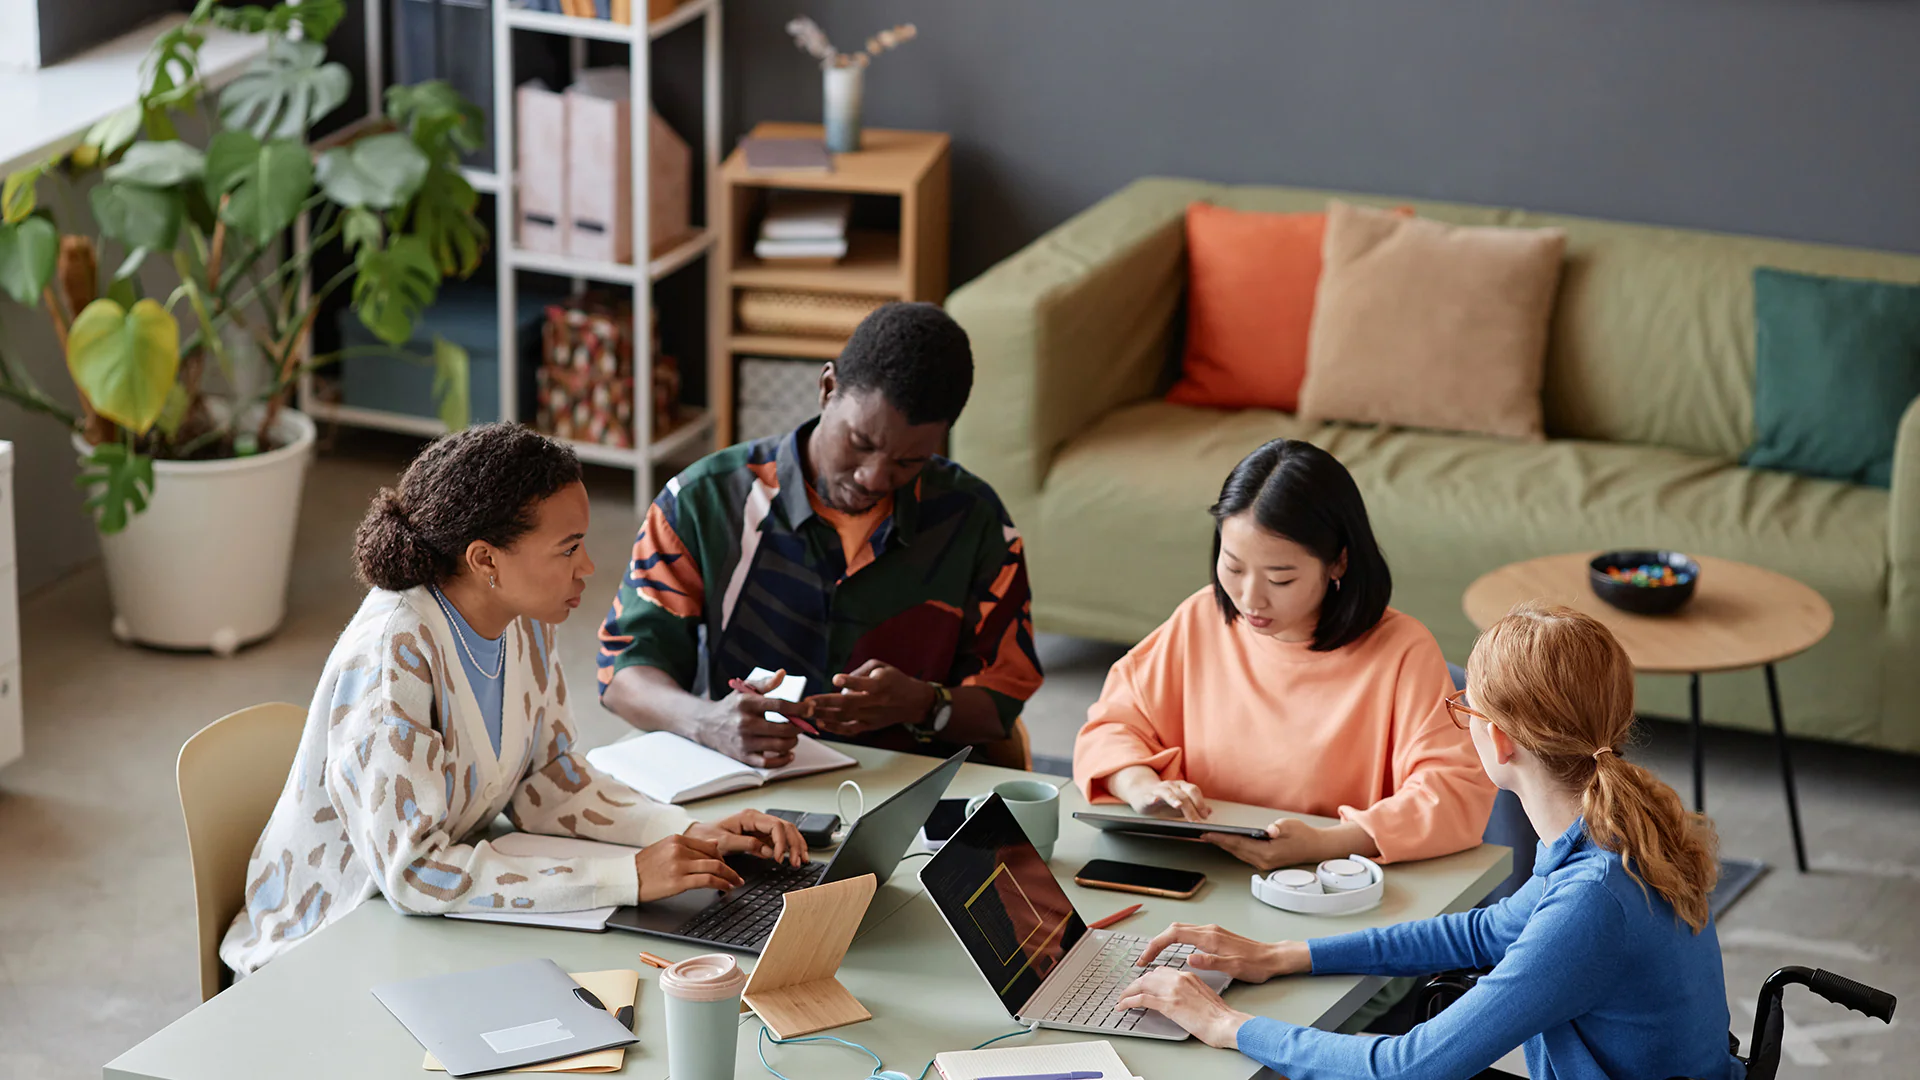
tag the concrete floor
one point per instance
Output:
(96, 919)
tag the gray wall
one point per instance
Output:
(1789, 118)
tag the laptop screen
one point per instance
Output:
(1003, 903)
(882, 835)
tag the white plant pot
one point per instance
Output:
(205, 566)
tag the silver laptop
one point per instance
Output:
(1014, 920)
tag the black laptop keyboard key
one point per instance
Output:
(747, 916)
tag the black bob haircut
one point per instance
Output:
(1301, 492)
(916, 356)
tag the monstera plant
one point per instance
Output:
(246, 298)
(181, 415)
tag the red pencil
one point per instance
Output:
(741, 686)
(1123, 913)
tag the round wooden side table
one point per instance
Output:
(1740, 617)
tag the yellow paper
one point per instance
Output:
(614, 989)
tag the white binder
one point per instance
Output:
(600, 166)
(541, 165)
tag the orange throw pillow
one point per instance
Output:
(1251, 279)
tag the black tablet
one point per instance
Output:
(1153, 826)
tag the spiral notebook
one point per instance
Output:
(1096, 1056)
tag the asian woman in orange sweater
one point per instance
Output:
(1290, 683)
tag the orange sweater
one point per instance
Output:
(1357, 733)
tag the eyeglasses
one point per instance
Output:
(1459, 712)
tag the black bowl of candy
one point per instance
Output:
(1644, 582)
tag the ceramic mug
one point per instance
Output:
(1035, 805)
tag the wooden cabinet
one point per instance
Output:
(897, 248)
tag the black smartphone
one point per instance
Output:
(1139, 878)
(816, 829)
(943, 822)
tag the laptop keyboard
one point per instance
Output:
(746, 916)
(1089, 1003)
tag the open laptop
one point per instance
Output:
(1014, 920)
(743, 917)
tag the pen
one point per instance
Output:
(1123, 913)
(742, 686)
(1050, 1076)
(651, 960)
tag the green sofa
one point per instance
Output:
(1649, 402)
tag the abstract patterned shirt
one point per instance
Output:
(733, 570)
(395, 782)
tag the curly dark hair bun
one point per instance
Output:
(389, 554)
(478, 484)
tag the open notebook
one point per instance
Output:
(667, 768)
(1095, 1057)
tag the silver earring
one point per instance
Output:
(1336, 584)
(494, 583)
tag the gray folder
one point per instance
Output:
(503, 1017)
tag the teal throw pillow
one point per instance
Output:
(1838, 361)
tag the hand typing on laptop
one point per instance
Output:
(1222, 950)
(751, 832)
(695, 859)
(1182, 997)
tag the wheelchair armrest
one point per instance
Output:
(1436, 992)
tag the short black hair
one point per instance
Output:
(916, 356)
(477, 484)
(1301, 492)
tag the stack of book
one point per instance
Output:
(620, 11)
(804, 228)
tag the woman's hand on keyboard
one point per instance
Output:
(1182, 998)
(672, 866)
(1243, 958)
(751, 832)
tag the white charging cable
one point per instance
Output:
(840, 804)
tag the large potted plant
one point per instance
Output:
(192, 457)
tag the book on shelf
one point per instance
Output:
(806, 215)
(825, 251)
(765, 155)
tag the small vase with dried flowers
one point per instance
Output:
(843, 76)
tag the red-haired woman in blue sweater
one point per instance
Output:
(1604, 965)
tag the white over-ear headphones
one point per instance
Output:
(1336, 887)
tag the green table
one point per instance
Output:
(309, 1015)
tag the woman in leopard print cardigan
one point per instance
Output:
(443, 705)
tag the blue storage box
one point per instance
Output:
(466, 315)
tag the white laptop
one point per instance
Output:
(1014, 920)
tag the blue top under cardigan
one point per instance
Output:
(1597, 978)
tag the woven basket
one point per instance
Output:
(805, 314)
(776, 396)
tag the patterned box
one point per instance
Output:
(776, 396)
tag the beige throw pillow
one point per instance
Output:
(1421, 324)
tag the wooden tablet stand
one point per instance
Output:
(793, 988)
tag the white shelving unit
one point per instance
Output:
(697, 426)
